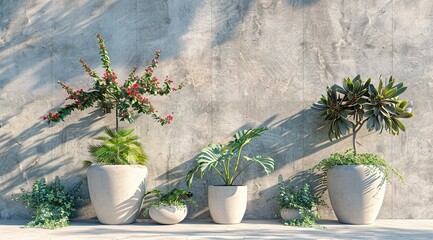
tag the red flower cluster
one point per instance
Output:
(51, 116)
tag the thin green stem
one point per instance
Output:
(219, 173)
(237, 164)
(226, 174)
(117, 120)
(240, 171)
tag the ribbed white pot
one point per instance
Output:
(116, 192)
(167, 214)
(227, 204)
(356, 193)
(290, 213)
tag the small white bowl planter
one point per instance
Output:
(227, 204)
(290, 214)
(356, 193)
(164, 214)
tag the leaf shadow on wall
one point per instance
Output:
(288, 141)
(34, 154)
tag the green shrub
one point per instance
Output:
(176, 197)
(349, 158)
(52, 205)
(300, 198)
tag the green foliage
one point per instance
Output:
(219, 158)
(109, 95)
(176, 197)
(52, 204)
(118, 148)
(347, 108)
(349, 158)
(301, 198)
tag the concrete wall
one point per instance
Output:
(245, 64)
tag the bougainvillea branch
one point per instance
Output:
(109, 95)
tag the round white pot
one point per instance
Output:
(227, 204)
(290, 213)
(116, 192)
(167, 214)
(356, 193)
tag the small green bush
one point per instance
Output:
(176, 197)
(52, 204)
(300, 198)
(349, 158)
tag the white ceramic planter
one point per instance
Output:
(356, 193)
(167, 214)
(290, 213)
(116, 192)
(227, 204)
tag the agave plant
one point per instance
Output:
(119, 148)
(226, 160)
(349, 107)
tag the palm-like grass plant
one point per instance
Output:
(118, 148)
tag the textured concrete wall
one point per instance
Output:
(245, 63)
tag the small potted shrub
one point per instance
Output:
(298, 205)
(356, 182)
(228, 202)
(117, 181)
(52, 204)
(168, 208)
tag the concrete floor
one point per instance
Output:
(205, 229)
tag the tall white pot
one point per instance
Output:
(227, 204)
(116, 192)
(356, 193)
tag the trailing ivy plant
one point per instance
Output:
(176, 198)
(228, 161)
(301, 199)
(109, 95)
(52, 204)
(118, 148)
(348, 107)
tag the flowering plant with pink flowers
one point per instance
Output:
(109, 95)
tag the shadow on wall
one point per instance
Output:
(41, 35)
(22, 162)
(230, 14)
(288, 142)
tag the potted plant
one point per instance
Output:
(298, 205)
(356, 182)
(117, 182)
(168, 208)
(228, 202)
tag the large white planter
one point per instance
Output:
(116, 192)
(167, 214)
(356, 193)
(227, 204)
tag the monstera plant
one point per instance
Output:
(226, 160)
(350, 176)
(227, 203)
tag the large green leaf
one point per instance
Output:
(266, 162)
